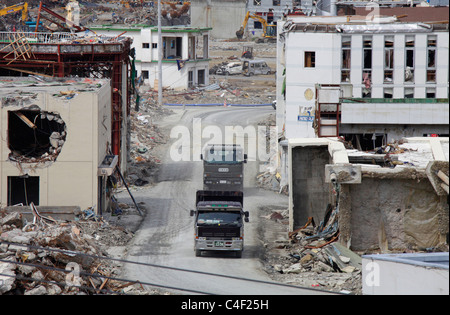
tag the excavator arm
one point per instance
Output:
(16, 8)
(267, 29)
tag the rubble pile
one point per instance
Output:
(51, 257)
(223, 91)
(269, 177)
(312, 257)
(145, 138)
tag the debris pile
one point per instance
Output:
(145, 138)
(51, 257)
(269, 176)
(312, 257)
(222, 92)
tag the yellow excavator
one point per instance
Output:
(269, 30)
(16, 8)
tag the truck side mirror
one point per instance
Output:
(192, 213)
(246, 214)
(245, 158)
(201, 157)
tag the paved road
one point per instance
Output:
(166, 237)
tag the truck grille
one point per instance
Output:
(218, 232)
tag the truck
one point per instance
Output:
(223, 167)
(219, 222)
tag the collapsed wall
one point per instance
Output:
(392, 212)
(390, 202)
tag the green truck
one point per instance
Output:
(219, 222)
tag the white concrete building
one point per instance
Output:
(56, 135)
(185, 60)
(383, 62)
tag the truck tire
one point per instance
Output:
(238, 254)
(198, 253)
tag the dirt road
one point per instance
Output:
(164, 244)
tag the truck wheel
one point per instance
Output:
(198, 253)
(239, 254)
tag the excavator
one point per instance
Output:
(16, 8)
(269, 30)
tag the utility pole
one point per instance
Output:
(160, 56)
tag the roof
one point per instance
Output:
(20, 88)
(154, 28)
(414, 14)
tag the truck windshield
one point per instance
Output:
(219, 218)
(224, 156)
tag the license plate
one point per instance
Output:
(223, 181)
(223, 170)
(218, 244)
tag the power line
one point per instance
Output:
(68, 252)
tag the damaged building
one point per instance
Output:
(381, 202)
(387, 67)
(56, 137)
(85, 55)
(185, 53)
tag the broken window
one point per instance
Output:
(276, 2)
(35, 135)
(346, 59)
(367, 64)
(365, 142)
(172, 47)
(310, 59)
(389, 59)
(22, 190)
(431, 58)
(257, 2)
(409, 92)
(409, 56)
(388, 92)
(430, 92)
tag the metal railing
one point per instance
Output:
(56, 38)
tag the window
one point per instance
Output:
(145, 74)
(345, 59)
(257, 2)
(431, 58)
(431, 92)
(310, 59)
(367, 66)
(389, 59)
(201, 77)
(409, 92)
(190, 78)
(145, 45)
(409, 56)
(275, 2)
(154, 45)
(388, 92)
(23, 190)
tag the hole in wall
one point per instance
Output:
(35, 135)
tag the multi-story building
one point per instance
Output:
(392, 78)
(185, 60)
